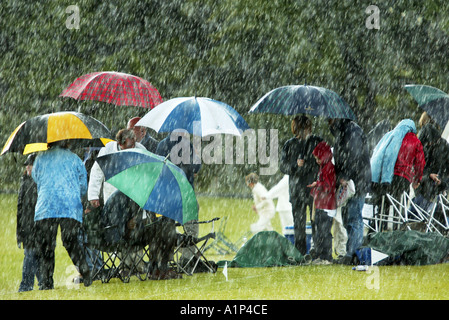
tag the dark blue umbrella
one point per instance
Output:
(303, 99)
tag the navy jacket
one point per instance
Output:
(351, 155)
(299, 177)
(164, 148)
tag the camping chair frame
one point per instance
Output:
(191, 243)
(382, 217)
(113, 258)
(222, 244)
(403, 215)
(444, 203)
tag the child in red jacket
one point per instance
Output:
(324, 197)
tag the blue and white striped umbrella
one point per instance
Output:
(198, 116)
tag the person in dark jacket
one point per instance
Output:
(179, 150)
(26, 232)
(352, 162)
(130, 224)
(173, 147)
(435, 178)
(298, 162)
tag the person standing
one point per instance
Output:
(352, 162)
(398, 161)
(26, 233)
(297, 161)
(142, 135)
(177, 148)
(325, 203)
(283, 205)
(61, 180)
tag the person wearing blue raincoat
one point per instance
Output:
(397, 162)
(61, 180)
(386, 152)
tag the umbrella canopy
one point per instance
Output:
(198, 116)
(36, 133)
(153, 182)
(432, 100)
(117, 88)
(303, 99)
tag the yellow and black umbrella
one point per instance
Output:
(36, 133)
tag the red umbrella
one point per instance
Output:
(117, 88)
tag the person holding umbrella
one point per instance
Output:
(142, 136)
(435, 178)
(61, 180)
(189, 163)
(126, 139)
(298, 162)
(352, 162)
(159, 233)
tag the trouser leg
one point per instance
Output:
(46, 232)
(70, 229)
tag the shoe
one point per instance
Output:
(321, 262)
(78, 279)
(346, 260)
(164, 275)
(87, 279)
(307, 260)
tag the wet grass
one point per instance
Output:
(279, 283)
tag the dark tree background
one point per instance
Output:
(228, 50)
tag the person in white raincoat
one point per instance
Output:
(283, 205)
(126, 139)
(263, 205)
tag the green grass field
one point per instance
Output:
(279, 283)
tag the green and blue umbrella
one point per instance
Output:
(154, 183)
(304, 99)
(432, 100)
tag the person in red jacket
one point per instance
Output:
(397, 163)
(324, 198)
(410, 163)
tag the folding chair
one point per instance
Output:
(407, 214)
(397, 215)
(116, 260)
(443, 203)
(223, 245)
(192, 244)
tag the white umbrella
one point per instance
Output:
(198, 116)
